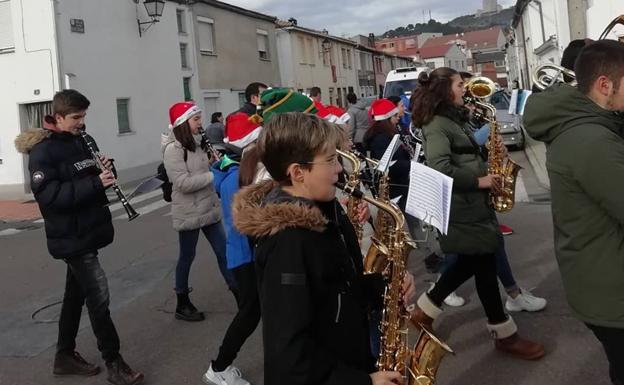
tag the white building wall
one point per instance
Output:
(599, 15)
(111, 61)
(304, 72)
(30, 75)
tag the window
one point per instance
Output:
(205, 27)
(324, 53)
(499, 63)
(263, 44)
(7, 44)
(241, 99)
(180, 17)
(186, 86)
(344, 59)
(302, 50)
(349, 62)
(183, 55)
(311, 56)
(123, 116)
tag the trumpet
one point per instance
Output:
(548, 74)
(98, 161)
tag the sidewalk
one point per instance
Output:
(17, 211)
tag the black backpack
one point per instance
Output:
(167, 186)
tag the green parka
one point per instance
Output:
(473, 228)
(585, 163)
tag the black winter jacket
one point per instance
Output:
(313, 295)
(399, 172)
(65, 181)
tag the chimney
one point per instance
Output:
(292, 21)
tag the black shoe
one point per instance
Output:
(185, 310)
(119, 373)
(72, 363)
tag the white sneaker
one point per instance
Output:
(454, 300)
(525, 301)
(230, 376)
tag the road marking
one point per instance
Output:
(146, 209)
(138, 199)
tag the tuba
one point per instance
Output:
(546, 75)
(478, 89)
(419, 364)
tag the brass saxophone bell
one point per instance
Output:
(376, 259)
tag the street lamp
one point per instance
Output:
(326, 44)
(154, 10)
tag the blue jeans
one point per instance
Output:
(86, 282)
(215, 234)
(503, 270)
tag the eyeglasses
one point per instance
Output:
(331, 162)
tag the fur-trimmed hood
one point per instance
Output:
(27, 140)
(264, 209)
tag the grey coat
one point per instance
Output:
(359, 121)
(194, 202)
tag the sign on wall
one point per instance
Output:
(77, 25)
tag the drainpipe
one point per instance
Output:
(541, 13)
(59, 57)
(526, 57)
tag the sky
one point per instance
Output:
(354, 17)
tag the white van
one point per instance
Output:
(403, 81)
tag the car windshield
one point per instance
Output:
(400, 87)
(500, 100)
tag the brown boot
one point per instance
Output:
(425, 313)
(72, 363)
(520, 348)
(119, 373)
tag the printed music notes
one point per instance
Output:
(384, 163)
(429, 197)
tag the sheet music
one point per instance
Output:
(384, 163)
(429, 197)
(417, 150)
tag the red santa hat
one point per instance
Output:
(333, 114)
(240, 130)
(181, 112)
(382, 109)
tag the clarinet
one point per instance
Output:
(120, 195)
(209, 145)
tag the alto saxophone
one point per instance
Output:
(419, 365)
(498, 164)
(354, 203)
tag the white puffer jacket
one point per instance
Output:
(194, 202)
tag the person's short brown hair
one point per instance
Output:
(294, 137)
(600, 58)
(69, 102)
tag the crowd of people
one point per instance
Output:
(288, 251)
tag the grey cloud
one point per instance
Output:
(352, 17)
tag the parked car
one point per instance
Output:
(510, 125)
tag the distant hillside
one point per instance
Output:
(460, 24)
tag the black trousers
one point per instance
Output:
(612, 341)
(245, 321)
(86, 282)
(483, 268)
